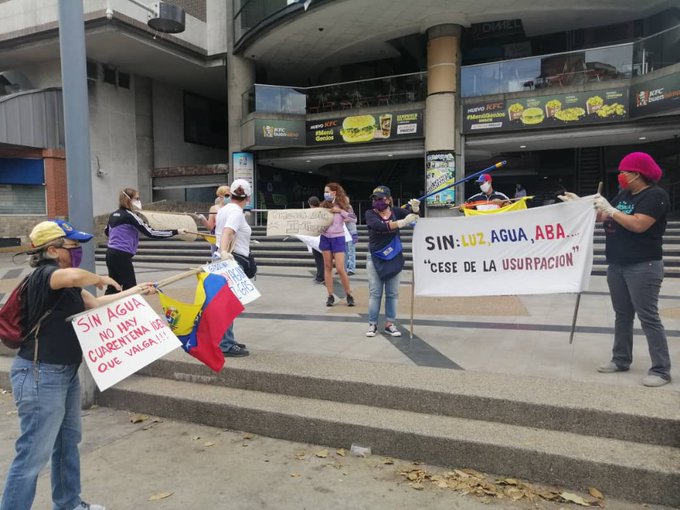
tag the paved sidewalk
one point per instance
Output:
(125, 464)
(527, 335)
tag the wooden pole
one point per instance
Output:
(413, 296)
(578, 297)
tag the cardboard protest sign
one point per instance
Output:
(237, 280)
(543, 250)
(121, 338)
(289, 222)
(170, 221)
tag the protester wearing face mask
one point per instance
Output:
(488, 198)
(634, 223)
(44, 375)
(223, 197)
(332, 241)
(385, 259)
(123, 232)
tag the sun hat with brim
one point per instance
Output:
(484, 178)
(643, 164)
(381, 192)
(51, 230)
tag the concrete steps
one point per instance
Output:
(622, 440)
(289, 252)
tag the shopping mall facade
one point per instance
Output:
(293, 94)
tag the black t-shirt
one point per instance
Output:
(626, 247)
(58, 343)
(379, 233)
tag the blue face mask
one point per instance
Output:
(328, 197)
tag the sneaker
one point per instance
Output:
(319, 282)
(87, 506)
(372, 330)
(242, 346)
(654, 381)
(330, 300)
(392, 330)
(350, 273)
(350, 300)
(236, 352)
(610, 367)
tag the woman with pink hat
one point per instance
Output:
(634, 224)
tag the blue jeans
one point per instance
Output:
(375, 293)
(634, 289)
(228, 340)
(48, 404)
(351, 256)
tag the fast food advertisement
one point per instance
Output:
(549, 111)
(274, 132)
(440, 170)
(376, 127)
(655, 96)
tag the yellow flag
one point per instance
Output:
(180, 316)
(516, 206)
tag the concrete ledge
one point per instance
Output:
(634, 471)
(643, 415)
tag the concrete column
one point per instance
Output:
(441, 105)
(240, 78)
(144, 135)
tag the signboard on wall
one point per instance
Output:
(655, 96)
(243, 164)
(440, 170)
(279, 133)
(380, 127)
(549, 111)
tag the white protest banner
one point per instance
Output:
(237, 280)
(542, 250)
(289, 222)
(122, 337)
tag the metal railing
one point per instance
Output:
(383, 92)
(620, 61)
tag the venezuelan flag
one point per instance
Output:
(519, 205)
(201, 325)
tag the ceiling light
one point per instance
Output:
(389, 155)
(310, 172)
(642, 138)
(522, 146)
(308, 161)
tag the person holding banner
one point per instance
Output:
(123, 231)
(332, 242)
(385, 256)
(222, 199)
(634, 224)
(488, 198)
(44, 377)
(233, 240)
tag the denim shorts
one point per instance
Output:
(332, 244)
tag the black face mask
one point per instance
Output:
(380, 204)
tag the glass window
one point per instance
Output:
(205, 121)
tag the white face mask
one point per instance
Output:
(485, 187)
(137, 204)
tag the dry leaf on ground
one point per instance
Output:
(160, 495)
(595, 493)
(322, 454)
(341, 451)
(574, 498)
(208, 443)
(138, 418)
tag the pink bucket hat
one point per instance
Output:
(641, 163)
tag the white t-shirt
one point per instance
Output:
(232, 216)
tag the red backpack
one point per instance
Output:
(11, 331)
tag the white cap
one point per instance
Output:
(241, 183)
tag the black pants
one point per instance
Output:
(119, 264)
(318, 260)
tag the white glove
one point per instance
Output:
(568, 195)
(226, 255)
(415, 204)
(603, 205)
(181, 231)
(411, 218)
